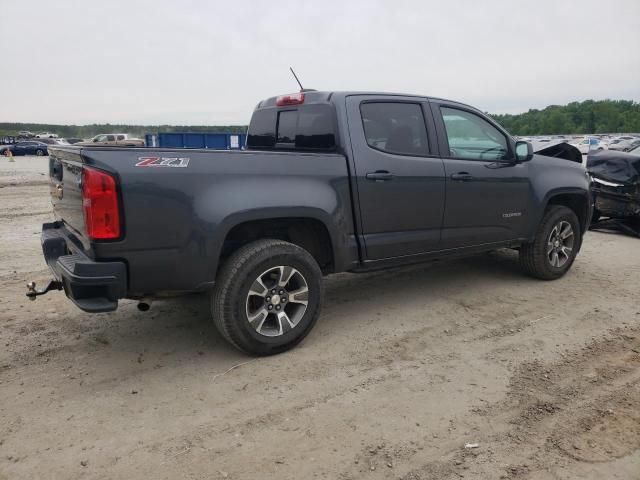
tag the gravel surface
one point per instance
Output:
(452, 369)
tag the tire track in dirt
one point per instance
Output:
(554, 418)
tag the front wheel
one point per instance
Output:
(267, 297)
(39, 152)
(555, 246)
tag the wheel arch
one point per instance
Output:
(575, 199)
(308, 229)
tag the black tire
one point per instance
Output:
(534, 258)
(40, 153)
(230, 295)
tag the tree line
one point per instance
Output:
(590, 116)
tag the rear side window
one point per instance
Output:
(396, 128)
(120, 137)
(308, 127)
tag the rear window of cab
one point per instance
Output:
(306, 127)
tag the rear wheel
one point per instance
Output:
(267, 297)
(555, 245)
(39, 152)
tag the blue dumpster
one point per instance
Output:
(218, 141)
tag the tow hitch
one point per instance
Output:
(32, 293)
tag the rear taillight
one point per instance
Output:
(291, 99)
(100, 204)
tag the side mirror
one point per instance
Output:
(524, 151)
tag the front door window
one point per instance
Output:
(471, 137)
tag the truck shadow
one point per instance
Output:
(186, 321)
(180, 330)
(461, 273)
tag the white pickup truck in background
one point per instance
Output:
(120, 139)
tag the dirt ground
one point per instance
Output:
(403, 369)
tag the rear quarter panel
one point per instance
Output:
(176, 218)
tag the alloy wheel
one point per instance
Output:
(560, 244)
(277, 300)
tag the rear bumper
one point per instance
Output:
(92, 286)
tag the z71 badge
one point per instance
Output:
(162, 162)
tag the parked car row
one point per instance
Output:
(624, 144)
(26, 148)
(37, 144)
(635, 151)
(587, 143)
(26, 134)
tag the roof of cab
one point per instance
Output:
(315, 96)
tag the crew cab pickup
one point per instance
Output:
(329, 182)
(115, 139)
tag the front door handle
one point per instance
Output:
(380, 176)
(462, 176)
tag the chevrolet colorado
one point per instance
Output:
(329, 182)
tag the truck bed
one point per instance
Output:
(177, 206)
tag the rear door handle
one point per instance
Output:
(462, 176)
(380, 176)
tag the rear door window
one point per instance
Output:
(395, 127)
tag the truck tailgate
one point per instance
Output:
(65, 177)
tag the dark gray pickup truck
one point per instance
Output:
(329, 182)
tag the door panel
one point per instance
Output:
(488, 194)
(401, 195)
(491, 205)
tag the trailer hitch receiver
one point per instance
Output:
(32, 293)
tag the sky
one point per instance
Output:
(204, 62)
